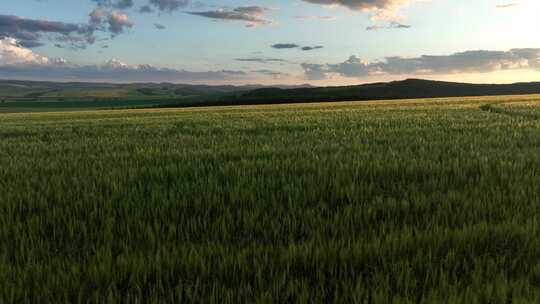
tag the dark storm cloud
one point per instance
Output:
(465, 62)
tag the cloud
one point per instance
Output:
(319, 18)
(311, 48)
(97, 16)
(118, 22)
(391, 25)
(281, 46)
(21, 63)
(271, 73)
(29, 32)
(17, 62)
(11, 52)
(465, 62)
(159, 26)
(114, 21)
(251, 15)
(146, 9)
(169, 6)
(32, 33)
(110, 73)
(261, 60)
(380, 9)
(285, 46)
(123, 4)
(507, 5)
(315, 71)
(251, 10)
(119, 4)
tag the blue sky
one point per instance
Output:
(230, 41)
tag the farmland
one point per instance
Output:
(402, 201)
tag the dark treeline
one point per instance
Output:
(410, 88)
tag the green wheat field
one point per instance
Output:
(418, 201)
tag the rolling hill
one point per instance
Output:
(98, 95)
(410, 88)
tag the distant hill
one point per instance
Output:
(184, 95)
(33, 90)
(410, 88)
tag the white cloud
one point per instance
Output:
(480, 61)
(12, 53)
(115, 21)
(118, 21)
(252, 15)
(18, 62)
(380, 9)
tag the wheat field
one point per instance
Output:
(404, 201)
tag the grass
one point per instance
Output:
(420, 201)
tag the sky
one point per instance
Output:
(321, 42)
